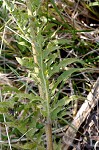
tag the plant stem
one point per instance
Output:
(48, 127)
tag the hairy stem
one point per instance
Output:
(45, 96)
(48, 129)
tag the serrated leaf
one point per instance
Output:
(58, 107)
(50, 48)
(63, 101)
(31, 97)
(62, 41)
(10, 89)
(28, 146)
(55, 112)
(3, 110)
(49, 26)
(6, 104)
(51, 59)
(40, 41)
(12, 124)
(26, 62)
(62, 64)
(66, 74)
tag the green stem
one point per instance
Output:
(48, 127)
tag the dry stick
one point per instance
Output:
(83, 112)
(48, 127)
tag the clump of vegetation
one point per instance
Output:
(46, 50)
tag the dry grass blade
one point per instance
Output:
(4, 80)
(83, 112)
